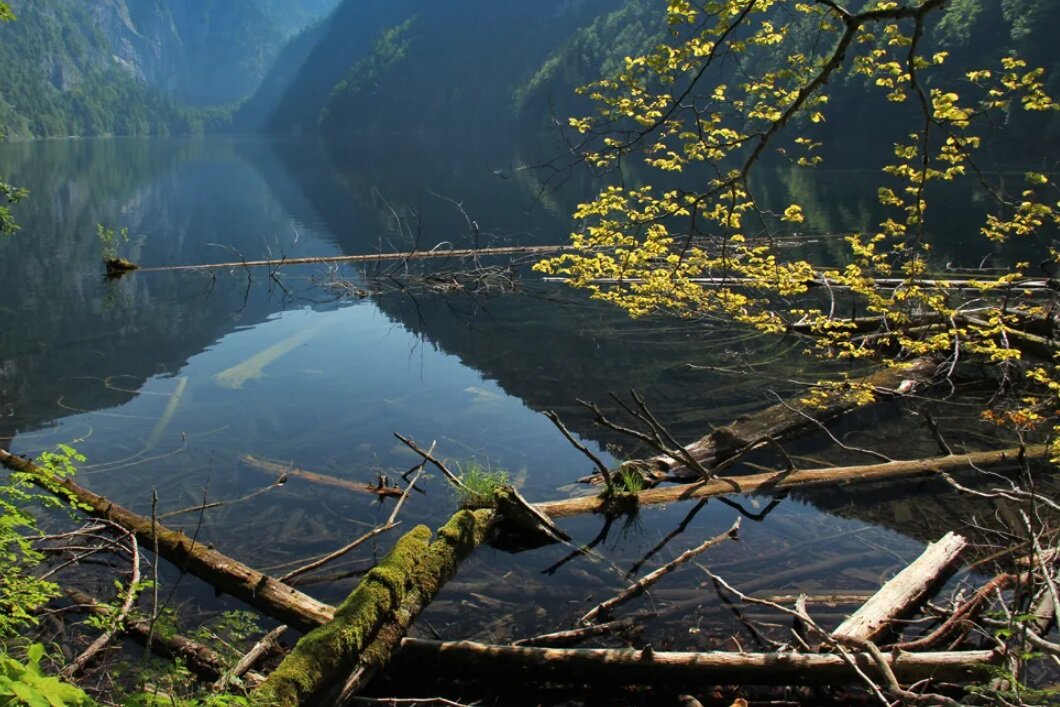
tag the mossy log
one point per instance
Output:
(370, 624)
(623, 666)
(787, 419)
(775, 482)
(266, 594)
(201, 660)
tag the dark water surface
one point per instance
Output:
(165, 380)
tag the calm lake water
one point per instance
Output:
(166, 380)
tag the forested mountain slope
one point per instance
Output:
(415, 64)
(472, 64)
(91, 67)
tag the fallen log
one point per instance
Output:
(775, 482)
(371, 622)
(201, 660)
(369, 258)
(787, 419)
(279, 470)
(271, 597)
(902, 592)
(626, 666)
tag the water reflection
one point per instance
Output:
(166, 380)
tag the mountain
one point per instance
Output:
(414, 65)
(93, 67)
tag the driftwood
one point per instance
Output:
(625, 666)
(370, 623)
(902, 592)
(784, 420)
(200, 659)
(641, 585)
(269, 643)
(370, 258)
(271, 597)
(774, 482)
(280, 470)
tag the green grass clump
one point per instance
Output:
(480, 484)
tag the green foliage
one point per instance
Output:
(21, 592)
(9, 195)
(480, 484)
(629, 479)
(26, 684)
(110, 241)
(707, 248)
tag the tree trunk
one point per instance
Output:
(370, 624)
(773, 482)
(901, 593)
(788, 419)
(271, 597)
(624, 666)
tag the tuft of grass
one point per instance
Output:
(480, 484)
(629, 480)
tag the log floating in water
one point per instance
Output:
(279, 469)
(371, 257)
(789, 418)
(271, 597)
(624, 666)
(773, 482)
(902, 593)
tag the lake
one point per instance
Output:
(166, 381)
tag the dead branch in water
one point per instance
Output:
(626, 666)
(224, 573)
(772, 482)
(437, 252)
(902, 593)
(641, 585)
(285, 471)
(778, 422)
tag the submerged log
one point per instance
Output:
(775, 482)
(901, 593)
(279, 470)
(271, 597)
(625, 666)
(200, 659)
(370, 624)
(788, 419)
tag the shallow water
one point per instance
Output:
(165, 380)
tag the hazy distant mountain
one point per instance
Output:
(88, 67)
(414, 64)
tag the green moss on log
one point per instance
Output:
(373, 619)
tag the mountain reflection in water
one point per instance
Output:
(165, 380)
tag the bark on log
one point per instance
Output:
(774, 482)
(901, 594)
(625, 666)
(271, 597)
(201, 660)
(371, 258)
(280, 470)
(370, 624)
(786, 419)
